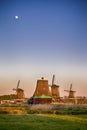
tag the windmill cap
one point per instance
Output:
(55, 85)
(42, 78)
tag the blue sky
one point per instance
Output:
(50, 37)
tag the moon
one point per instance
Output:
(16, 17)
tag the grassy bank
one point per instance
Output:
(42, 122)
(44, 109)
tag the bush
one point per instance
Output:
(3, 112)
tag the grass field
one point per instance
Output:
(59, 109)
(42, 122)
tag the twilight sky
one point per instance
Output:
(50, 37)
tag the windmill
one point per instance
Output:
(54, 88)
(16, 89)
(19, 91)
(42, 88)
(42, 93)
(71, 92)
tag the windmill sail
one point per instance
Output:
(18, 84)
(70, 87)
(53, 79)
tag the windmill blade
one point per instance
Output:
(70, 87)
(66, 90)
(74, 91)
(50, 85)
(18, 84)
(14, 89)
(53, 79)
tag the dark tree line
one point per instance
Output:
(8, 97)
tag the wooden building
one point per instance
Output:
(42, 93)
(20, 93)
(55, 91)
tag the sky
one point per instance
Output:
(49, 37)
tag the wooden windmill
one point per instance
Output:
(42, 93)
(54, 88)
(19, 91)
(42, 88)
(71, 92)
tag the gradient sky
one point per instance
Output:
(50, 37)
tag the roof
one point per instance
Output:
(19, 89)
(42, 96)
